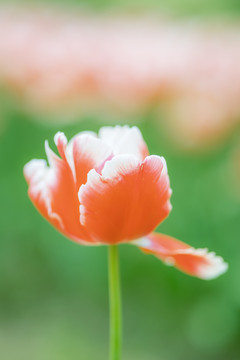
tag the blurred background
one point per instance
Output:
(173, 69)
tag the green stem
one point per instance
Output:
(115, 304)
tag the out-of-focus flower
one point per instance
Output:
(202, 113)
(107, 189)
(78, 64)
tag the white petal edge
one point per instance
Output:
(91, 146)
(216, 265)
(60, 135)
(92, 181)
(82, 133)
(119, 165)
(124, 140)
(112, 134)
(40, 176)
(112, 170)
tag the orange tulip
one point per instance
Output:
(107, 189)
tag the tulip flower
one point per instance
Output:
(106, 189)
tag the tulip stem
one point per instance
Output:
(115, 304)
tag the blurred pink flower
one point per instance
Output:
(106, 190)
(76, 63)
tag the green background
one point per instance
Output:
(54, 293)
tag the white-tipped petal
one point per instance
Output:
(87, 153)
(35, 168)
(60, 137)
(124, 140)
(119, 165)
(217, 266)
(129, 199)
(196, 262)
(52, 190)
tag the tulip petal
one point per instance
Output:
(125, 140)
(127, 201)
(53, 191)
(196, 262)
(88, 152)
